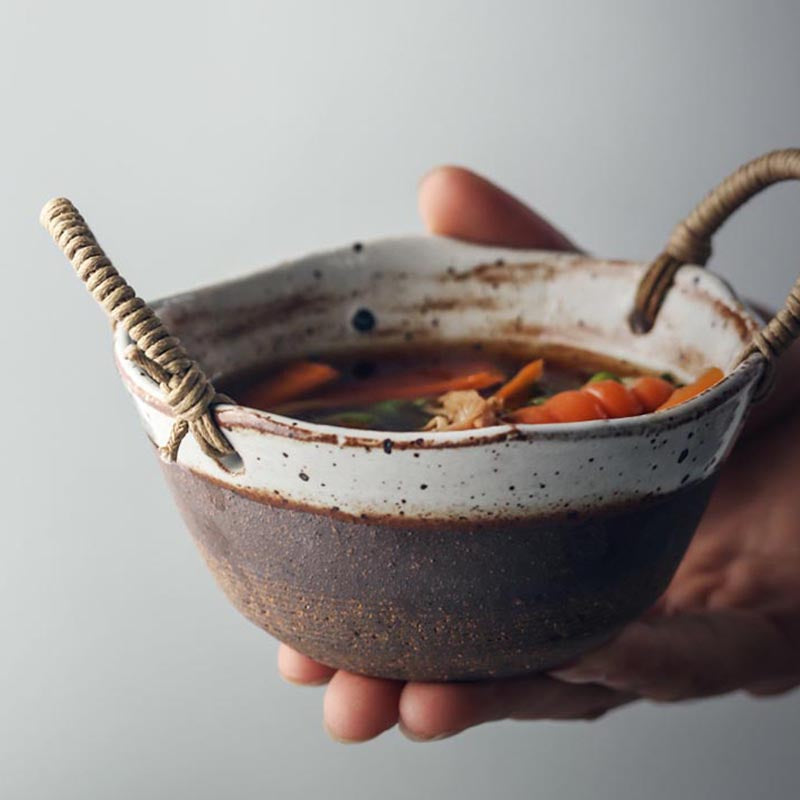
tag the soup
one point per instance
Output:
(458, 387)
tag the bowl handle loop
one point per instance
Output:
(690, 242)
(188, 392)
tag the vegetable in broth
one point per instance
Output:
(461, 387)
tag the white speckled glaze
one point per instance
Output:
(423, 289)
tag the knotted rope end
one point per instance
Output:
(161, 356)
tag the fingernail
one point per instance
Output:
(575, 676)
(339, 739)
(296, 682)
(415, 737)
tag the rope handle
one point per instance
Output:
(690, 242)
(187, 390)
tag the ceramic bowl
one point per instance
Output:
(463, 555)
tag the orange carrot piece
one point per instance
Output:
(575, 406)
(531, 415)
(616, 399)
(398, 387)
(292, 382)
(708, 379)
(513, 392)
(652, 392)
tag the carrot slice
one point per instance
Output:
(575, 406)
(513, 393)
(531, 415)
(616, 399)
(652, 392)
(708, 379)
(405, 386)
(293, 381)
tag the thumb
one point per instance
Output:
(456, 202)
(688, 655)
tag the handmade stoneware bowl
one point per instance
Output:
(463, 555)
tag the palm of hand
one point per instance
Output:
(729, 620)
(742, 568)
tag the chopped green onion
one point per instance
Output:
(387, 406)
(604, 376)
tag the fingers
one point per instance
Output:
(357, 708)
(691, 592)
(456, 202)
(688, 655)
(297, 668)
(430, 711)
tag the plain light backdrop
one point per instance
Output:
(203, 139)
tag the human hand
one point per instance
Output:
(729, 620)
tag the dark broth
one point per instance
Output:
(357, 397)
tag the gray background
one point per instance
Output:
(205, 139)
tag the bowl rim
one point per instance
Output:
(745, 374)
(233, 415)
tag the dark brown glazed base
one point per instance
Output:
(446, 601)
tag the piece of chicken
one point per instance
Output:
(462, 410)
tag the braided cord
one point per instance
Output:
(690, 242)
(186, 389)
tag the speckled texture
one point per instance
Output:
(460, 554)
(437, 602)
(439, 289)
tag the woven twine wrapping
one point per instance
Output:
(690, 243)
(186, 389)
(190, 394)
